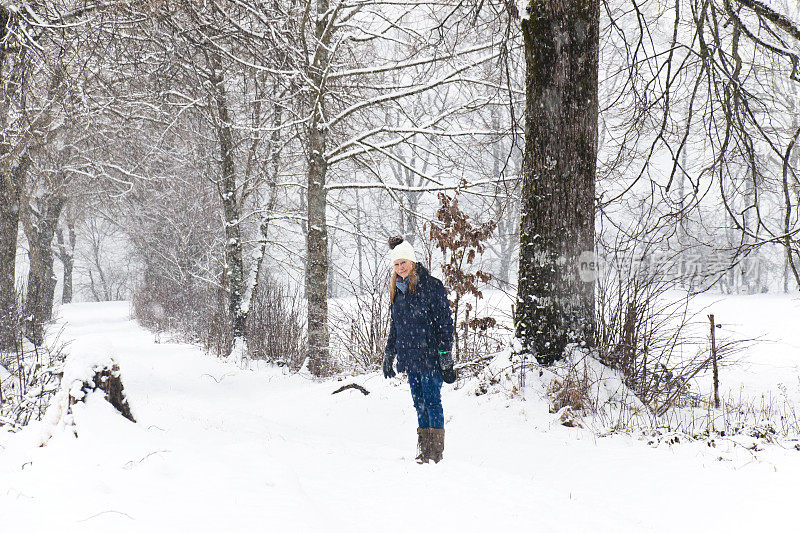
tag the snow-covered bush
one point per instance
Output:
(29, 377)
(579, 384)
(581, 391)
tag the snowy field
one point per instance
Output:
(220, 449)
(770, 364)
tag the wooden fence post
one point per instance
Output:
(714, 361)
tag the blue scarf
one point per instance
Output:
(402, 284)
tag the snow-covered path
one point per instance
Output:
(220, 449)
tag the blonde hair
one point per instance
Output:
(412, 283)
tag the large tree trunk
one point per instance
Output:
(317, 234)
(11, 186)
(555, 305)
(40, 228)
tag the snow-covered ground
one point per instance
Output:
(220, 449)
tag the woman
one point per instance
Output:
(421, 337)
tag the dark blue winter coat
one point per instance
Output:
(421, 324)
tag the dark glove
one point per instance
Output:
(449, 374)
(388, 366)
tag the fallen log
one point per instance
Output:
(106, 379)
(351, 386)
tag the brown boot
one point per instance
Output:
(423, 445)
(436, 444)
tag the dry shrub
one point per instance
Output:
(572, 391)
(461, 241)
(192, 310)
(646, 333)
(360, 325)
(196, 311)
(276, 325)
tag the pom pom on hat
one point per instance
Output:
(401, 249)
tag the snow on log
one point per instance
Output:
(106, 378)
(86, 371)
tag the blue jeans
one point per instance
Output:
(426, 391)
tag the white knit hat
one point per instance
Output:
(404, 250)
